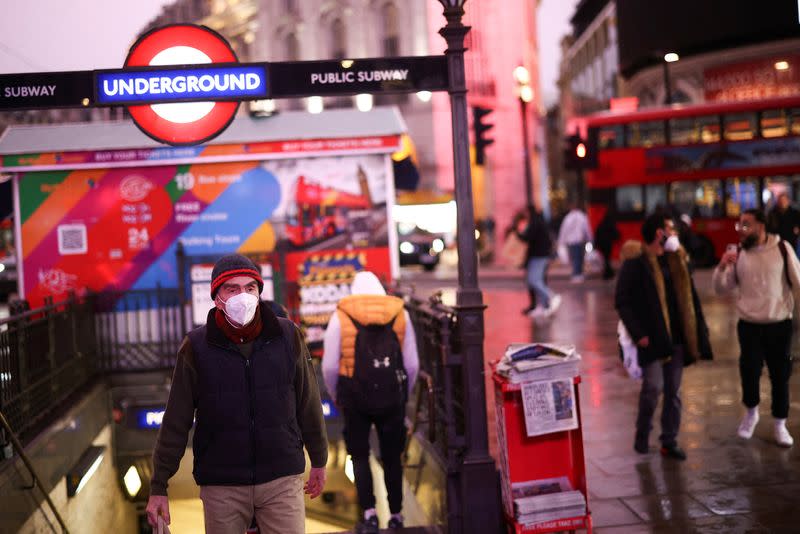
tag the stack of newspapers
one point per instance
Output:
(537, 501)
(524, 362)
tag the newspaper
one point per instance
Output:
(549, 406)
(545, 361)
(550, 499)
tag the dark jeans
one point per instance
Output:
(658, 377)
(391, 430)
(576, 253)
(771, 343)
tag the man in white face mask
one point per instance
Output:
(658, 305)
(246, 379)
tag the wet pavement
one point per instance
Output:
(726, 485)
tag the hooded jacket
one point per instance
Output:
(368, 303)
(641, 302)
(764, 295)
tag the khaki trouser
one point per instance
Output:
(277, 505)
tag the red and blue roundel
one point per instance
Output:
(184, 123)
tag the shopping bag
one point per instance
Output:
(514, 250)
(628, 352)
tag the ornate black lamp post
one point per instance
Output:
(476, 490)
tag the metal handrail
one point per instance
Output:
(36, 481)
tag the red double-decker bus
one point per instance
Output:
(317, 212)
(709, 161)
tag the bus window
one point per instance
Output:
(774, 123)
(629, 199)
(610, 136)
(697, 199)
(774, 186)
(646, 133)
(794, 121)
(682, 131)
(655, 196)
(741, 194)
(709, 128)
(739, 126)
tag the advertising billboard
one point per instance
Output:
(119, 228)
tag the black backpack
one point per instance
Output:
(379, 380)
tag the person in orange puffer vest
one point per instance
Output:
(369, 366)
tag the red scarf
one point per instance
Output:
(245, 334)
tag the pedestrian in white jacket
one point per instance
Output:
(574, 234)
(766, 272)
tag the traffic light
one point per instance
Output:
(480, 128)
(577, 154)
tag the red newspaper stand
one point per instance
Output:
(523, 458)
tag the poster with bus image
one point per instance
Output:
(119, 228)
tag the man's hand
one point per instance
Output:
(157, 505)
(643, 342)
(315, 483)
(729, 258)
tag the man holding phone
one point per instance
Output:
(766, 271)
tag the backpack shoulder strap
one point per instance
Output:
(782, 245)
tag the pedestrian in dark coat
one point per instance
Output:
(658, 304)
(605, 236)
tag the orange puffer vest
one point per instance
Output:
(366, 309)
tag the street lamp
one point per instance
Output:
(475, 494)
(525, 93)
(669, 57)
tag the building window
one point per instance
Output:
(338, 40)
(391, 33)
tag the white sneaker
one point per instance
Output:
(748, 424)
(555, 302)
(538, 311)
(782, 436)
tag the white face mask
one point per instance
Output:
(672, 244)
(241, 308)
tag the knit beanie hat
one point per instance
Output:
(231, 266)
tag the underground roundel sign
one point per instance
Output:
(182, 123)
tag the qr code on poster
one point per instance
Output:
(72, 239)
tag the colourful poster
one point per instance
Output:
(118, 228)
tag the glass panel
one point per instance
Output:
(629, 199)
(610, 136)
(646, 133)
(683, 131)
(739, 126)
(794, 121)
(774, 123)
(742, 194)
(774, 186)
(704, 129)
(655, 197)
(697, 199)
(709, 128)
